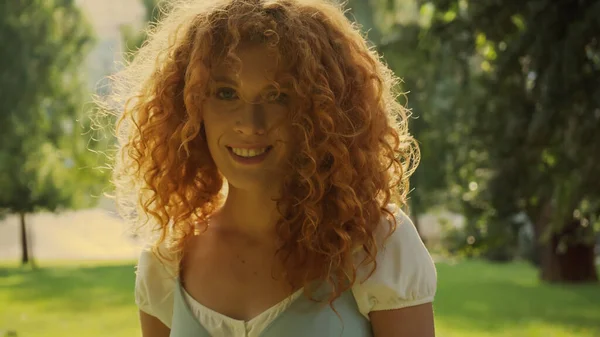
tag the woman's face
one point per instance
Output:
(247, 125)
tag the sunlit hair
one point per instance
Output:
(354, 154)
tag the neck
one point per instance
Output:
(251, 213)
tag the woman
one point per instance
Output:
(262, 141)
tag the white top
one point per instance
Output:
(405, 276)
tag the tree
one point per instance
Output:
(44, 158)
(429, 75)
(537, 120)
(512, 90)
(133, 40)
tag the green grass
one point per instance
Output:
(480, 299)
(474, 299)
(69, 300)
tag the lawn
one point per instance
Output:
(474, 299)
(65, 300)
(479, 299)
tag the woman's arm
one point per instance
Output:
(152, 326)
(414, 321)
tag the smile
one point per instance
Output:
(249, 156)
(248, 153)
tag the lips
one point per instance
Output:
(249, 153)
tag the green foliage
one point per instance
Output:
(537, 116)
(482, 238)
(44, 158)
(436, 81)
(507, 100)
(133, 39)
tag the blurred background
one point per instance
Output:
(505, 100)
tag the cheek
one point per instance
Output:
(278, 116)
(284, 134)
(279, 123)
(214, 124)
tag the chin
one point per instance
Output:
(253, 182)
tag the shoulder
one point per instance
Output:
(155, 282)
(405, 274)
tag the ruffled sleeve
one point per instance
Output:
(154, 286)
(405, 274)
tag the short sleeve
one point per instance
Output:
(154, 286)
(405, 274)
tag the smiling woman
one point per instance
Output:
(263, 143)
(247, 121)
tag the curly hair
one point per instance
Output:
(355, 154)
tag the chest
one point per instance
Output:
(234, 277)
(303, 318)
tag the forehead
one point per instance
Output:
(253, 62)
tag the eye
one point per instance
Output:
(226, 94)
(277, 97)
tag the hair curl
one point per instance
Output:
(355, 153)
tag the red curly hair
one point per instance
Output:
(355, 154)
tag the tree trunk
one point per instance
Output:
(24, 246)
(561, 259)
(415, 213)
(417, 223)
(30, 245)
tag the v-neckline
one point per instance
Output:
(181, 294)
(291, 298)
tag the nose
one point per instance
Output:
(251, 120)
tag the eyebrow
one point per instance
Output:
(228, 80)
(225, 79)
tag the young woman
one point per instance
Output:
(263, 143)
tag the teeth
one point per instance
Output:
(248, 152)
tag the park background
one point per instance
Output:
(505, 98)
